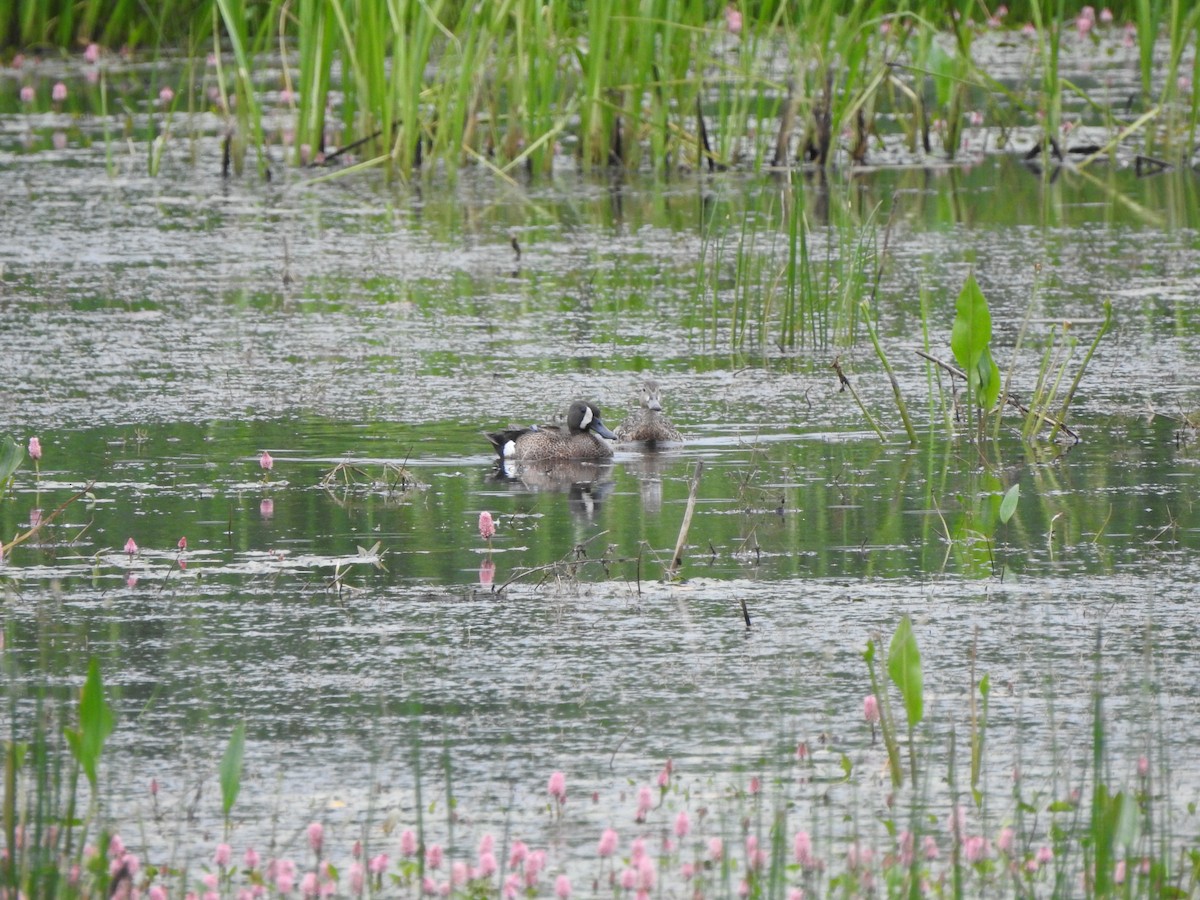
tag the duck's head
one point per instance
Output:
(583, 416)
(649, 396)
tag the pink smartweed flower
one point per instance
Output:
(929, 847)
(756, 859)
(517, 854)
(906, 848)
(628, 879)
(687, 871)
(157, 892)
(378, 864)
(562, 887)
(755, 784)
(975, 848)
(557, 786)
(645, 800)
(357, 878)
(743, 889)
(796, 894)
(433, 856)
(35, 449)
(487, 843)
(459, 873)
(733, 19)
(1006, 841)
(266, 462)
(222, 855)
(803, 850)
(408, 843)
(182, 545)
(131, 546)
(683, 824)
(487, 528)
(802, 751)
(534, 863)
(664, 777)
(716, 849)
(637, 849)
(308, 885)
(487, 864)
(316, 836)
(646, 874)
(870, 709)
(251, 859)
(1106, 16)
(1143, 766)
(27, 94)
(1085, 20)
(91, 54)
(165, 96)
(512, 886)
(1044, 855)
(153, 787)
(1119, 872)
(608, 843)
(1029, 29)
(59, 92)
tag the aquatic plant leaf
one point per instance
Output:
(904, 668)
(95, 723)
(970, 340)
(1008, 505)
(231, 767)
(12, 455)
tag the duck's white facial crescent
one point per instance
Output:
(587, 418)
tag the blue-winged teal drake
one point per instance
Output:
(583, 437)
(647, 423)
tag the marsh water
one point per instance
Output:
(160, 333)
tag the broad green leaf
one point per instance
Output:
(231, 767)
(12, 455)
(1128, 827)
(95, 723)
(904, 668)
(1008, 505)
(970, 340)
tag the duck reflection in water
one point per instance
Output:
(586, 484)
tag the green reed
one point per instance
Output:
(638, 84)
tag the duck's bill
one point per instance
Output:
(597, 426)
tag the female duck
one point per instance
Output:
(647, 423)
(583, 437)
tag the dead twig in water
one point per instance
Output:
(46, 520)
(573, 556)
(677, 557)
(836, 365)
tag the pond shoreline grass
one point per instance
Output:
(928, 823)
(664, 87)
